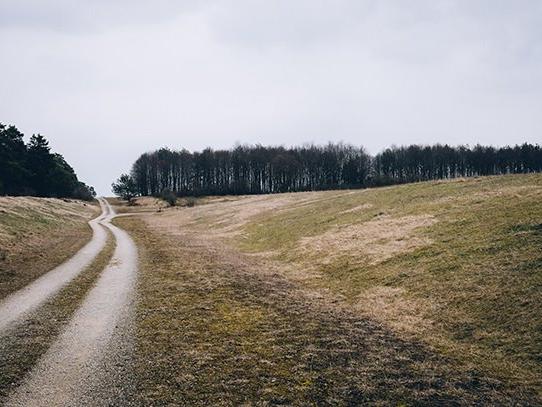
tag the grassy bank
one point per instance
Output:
(37, 234)
(456, 264)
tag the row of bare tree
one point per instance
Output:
(259, 169)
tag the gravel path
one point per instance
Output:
(95, 343)
(16, 306)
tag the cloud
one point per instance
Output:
(82, 16)
(108, 80)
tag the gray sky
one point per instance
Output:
(108, 80)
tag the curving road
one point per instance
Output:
(97, 337)
(17, 306)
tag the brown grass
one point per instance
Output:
(374, 241)
(451, 264)
(391, 304)
(37, 234)
(140, 205)
(220, 327)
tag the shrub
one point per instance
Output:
(191, 201)
(169, 196)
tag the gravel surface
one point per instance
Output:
(16, 306)
(87, 364)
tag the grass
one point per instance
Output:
(37, 234)
(248, 299)
(473, 292)
(23, 345)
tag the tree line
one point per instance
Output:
(258, 169)
(32, 169)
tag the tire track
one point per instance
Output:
(96, 340)
(15, 307)
(30, 339)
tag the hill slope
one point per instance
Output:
(37, 234)
(453, 266)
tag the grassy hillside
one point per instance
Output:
(458, 264)
(37, 234)
(455, 266)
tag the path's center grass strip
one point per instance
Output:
(21, 347)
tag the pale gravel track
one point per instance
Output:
(15, 307)
(84, 366)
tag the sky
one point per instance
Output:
(106, 80)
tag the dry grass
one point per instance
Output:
(138, 205)
(374, 241)
(396, 295)
(226, 215)
(453, 264)
(356, 209)
(216, 328)
(391, 304)
(37, 234)
(473, 287)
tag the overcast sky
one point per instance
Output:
(106, 80)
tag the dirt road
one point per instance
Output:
(15, 307)
(85, 354)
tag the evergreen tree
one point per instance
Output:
(125, 187)
(13, 171)
(33, 169)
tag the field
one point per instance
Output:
(418, 294)
(414, 294)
